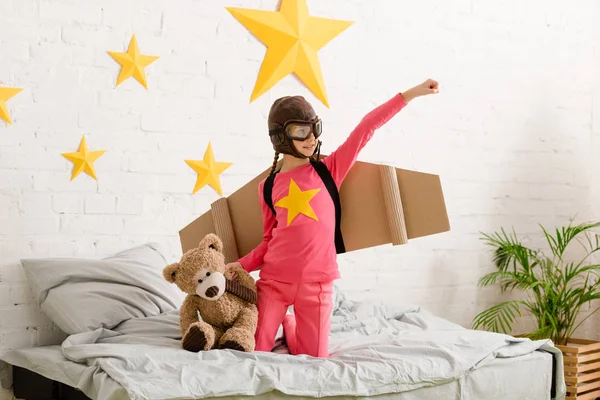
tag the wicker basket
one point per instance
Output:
(582, 369)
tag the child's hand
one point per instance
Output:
(232, 265)
(428, 87)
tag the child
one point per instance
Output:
(298, 251)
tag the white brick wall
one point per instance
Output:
(593, 328)
(510, 134)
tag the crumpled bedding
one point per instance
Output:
(375, 348)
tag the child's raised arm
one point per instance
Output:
(342, 160)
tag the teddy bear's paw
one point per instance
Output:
(194, 340)
(237, 339)
(197, 339)
(233, 345)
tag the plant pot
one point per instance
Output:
(582, 369)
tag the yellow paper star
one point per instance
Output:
(297, 202)
(132, 63)
(83, 159)
(293, 39)
(6, 94)
(208, 171)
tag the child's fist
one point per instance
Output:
(430, 86)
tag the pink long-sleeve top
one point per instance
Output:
(298, 243)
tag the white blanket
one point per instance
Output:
(375, 349)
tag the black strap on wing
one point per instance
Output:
(327, 179)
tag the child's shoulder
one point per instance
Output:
(327, 160)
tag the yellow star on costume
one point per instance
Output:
(297, 202)
(83, 159)
(6, 94)
(293, 39)
(208, 171)
(132, 63)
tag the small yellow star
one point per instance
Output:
(6, 94)
(297, 202)
(208, 171)
(83, 159)
(133, 63)
(293, 39)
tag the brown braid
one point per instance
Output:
(275, 159)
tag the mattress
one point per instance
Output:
(526, 377)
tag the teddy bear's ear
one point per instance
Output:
(170, 272)
(212, 241)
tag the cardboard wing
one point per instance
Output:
(380, 205)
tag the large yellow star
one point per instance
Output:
(133, 63)
(298, 202)
(208, 171)
(6, 94)
(293, 39)
(83, 159)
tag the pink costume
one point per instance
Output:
(298, 254)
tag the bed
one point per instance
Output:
(516, 380)
(120, 348)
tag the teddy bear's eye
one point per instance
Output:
(208, 274)
(199, 280)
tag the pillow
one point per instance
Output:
(81, 295)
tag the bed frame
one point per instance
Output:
(28, 385)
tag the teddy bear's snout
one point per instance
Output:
(212, 291)
(211, 285)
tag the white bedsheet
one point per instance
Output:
(376, 349)
(525, 377)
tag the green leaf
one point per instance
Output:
(509, 252)
(545, 332)
(500, 317)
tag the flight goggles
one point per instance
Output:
(300, 130)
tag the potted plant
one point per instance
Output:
(556, 290)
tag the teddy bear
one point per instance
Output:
(219, 311)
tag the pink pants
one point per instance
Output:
(308, 332)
